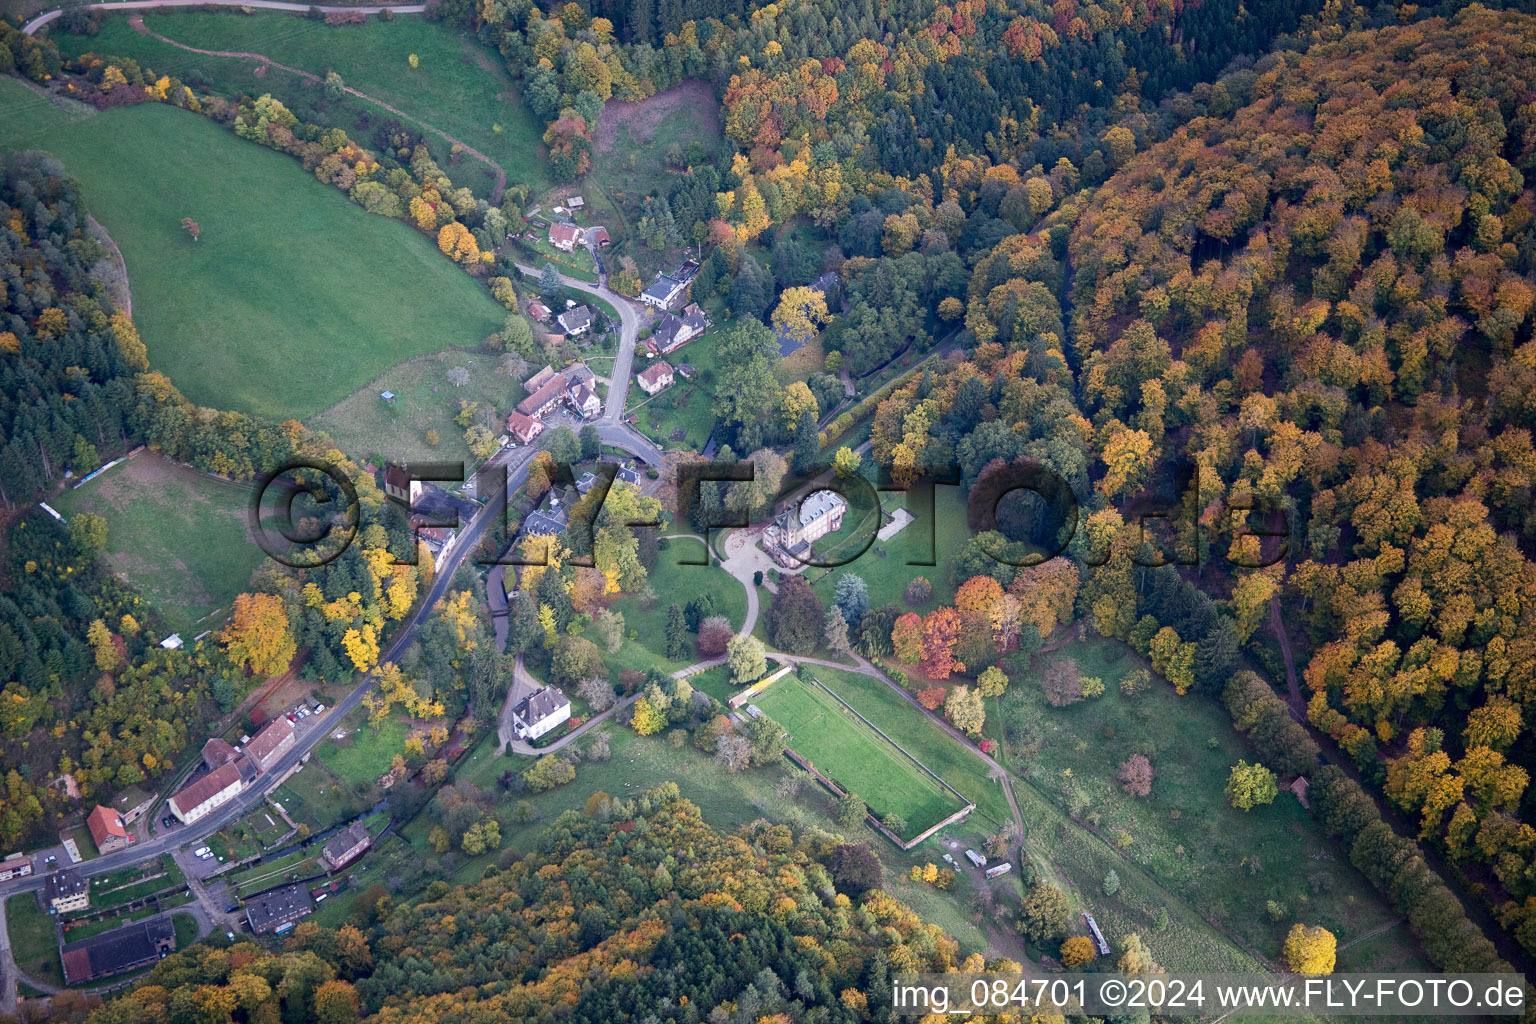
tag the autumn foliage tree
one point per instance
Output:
(257, 636)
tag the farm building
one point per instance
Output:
(121, 949)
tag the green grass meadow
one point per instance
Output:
(179, 536)
(33, 945)
(854, 755)
(292, 298)
(459, 86)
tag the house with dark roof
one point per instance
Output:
(579, 373)
(524, 428)
(108, 830)
(540, 712)
(584, 401)
(346, 846)
(66, 891)
(538, 404)
(673, 332)
(276, 911)
(663, 291)
(564, 237)
(119, 950)
(629, 475)
(575, 321)
(549, 520)
(274, 740)
(586, 483)
(656, 377)
(791, 533)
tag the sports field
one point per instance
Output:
(292, 298)
(831, 738)
(179, 536)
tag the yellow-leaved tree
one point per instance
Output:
(258, 636)
(800, 313)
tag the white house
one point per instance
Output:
(792, 532)
(564, 237)
(212, 791)
(540, 712)
(575, 322)
(656, 377)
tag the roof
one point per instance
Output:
(585, 483)
(564, 234)
(666, 331)
(345, 842)
(685, 271)
(272, 736)
(826, 283)
(538, 706)
(117, 950)
(171, 642)
(693, 317)
(662, 288)
(397, 477)
(16, 863)
(538, 309)
(580, 373)
(388, 396)
(523, 426)
(442, 508)
(787, 342)
(217, 752)
(652, 375)
(819, 504)
(575, 319)
(575, 202)
(548, 393)
(584, 396)
(105, 824)
(599, 235)
(629, 475)
(545, 524)
(64, 883)
(278, 906)
(206, 786)
(539, 379)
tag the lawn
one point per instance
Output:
(888, 566)
(459, 86)
(33, 944)
(854, 755)
(292, 298)
(364, 425)
(1229, 864)
(179, 536)
(315, 797)
(689, 404)
(673, 582)
(367, 751)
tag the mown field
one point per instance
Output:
(292, 298)
(673, 581)
(179, 536)
(854, 755)
(458, 86)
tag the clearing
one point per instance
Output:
(293, 297)
(855, 756)
(179, 536)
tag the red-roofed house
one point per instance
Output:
(107, 829)
(598, 235)
(656, 377)
(564, 236)
(544, 399)
(524, 428)
(275, 740)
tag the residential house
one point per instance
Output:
(17, 865)
(549, 520)
(210, 791)
(662, 292)
(629, 475)
(656, 377)
(119, 950)
(540, 712)
(274, 740)
(217, 753)
(538, 311)
(346, 846)
(538, 380)
(66, 891)
(538, 404)
(791, 533)
(676, 331)
(598, 236)
(278, 910)
(579, 373)
(400, 485)
(564, 237)
(586, 483)
(575, 322)
(584, 401)
(108, 830)
(523, 428)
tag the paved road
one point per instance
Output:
(272, 5)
